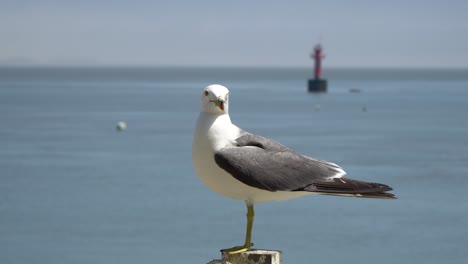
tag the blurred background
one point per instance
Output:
(361, 33)
(75, 190)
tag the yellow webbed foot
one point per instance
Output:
(237, 250)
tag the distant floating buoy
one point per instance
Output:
(121, 126)
(317, 84)
(355, 90)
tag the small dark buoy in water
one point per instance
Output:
(121, 126)
(354, 90)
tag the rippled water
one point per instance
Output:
(73, 190)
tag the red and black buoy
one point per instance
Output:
(317, 84)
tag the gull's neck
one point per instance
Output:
(215, 118)
(216, 130)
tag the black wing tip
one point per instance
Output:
(383, 195)
(350, 187)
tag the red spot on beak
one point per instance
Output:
(221, 105)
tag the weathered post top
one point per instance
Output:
(254, 256)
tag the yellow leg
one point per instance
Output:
(248, 234)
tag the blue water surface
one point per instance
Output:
(74, 190)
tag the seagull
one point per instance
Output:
(243, 166)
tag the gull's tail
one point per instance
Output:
(350, 187)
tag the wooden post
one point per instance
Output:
(255, 256)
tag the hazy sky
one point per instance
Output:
(397, 33)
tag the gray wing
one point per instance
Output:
(268, 165)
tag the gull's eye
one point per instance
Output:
(206, 93)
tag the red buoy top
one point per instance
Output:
(317, 56)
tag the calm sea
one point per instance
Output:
(74, 190)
